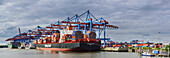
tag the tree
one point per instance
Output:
(166, 48)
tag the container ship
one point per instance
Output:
(76, 41)
(77, 33)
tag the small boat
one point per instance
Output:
(115, 49)
(147, 54)
(163, 54)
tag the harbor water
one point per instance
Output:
(33, 53)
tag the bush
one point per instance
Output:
(157, 48)
(166, 48)
(130, 47)
(147, 47)
(136, 47)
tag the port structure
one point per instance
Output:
(84, 22)
(26, 37)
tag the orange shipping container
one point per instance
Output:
(85, 36)
(69, 28)
(88, 31)
(145, 44)
(35, 42)
(73, 36)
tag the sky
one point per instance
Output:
(136, 19)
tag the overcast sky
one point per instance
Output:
(136, 19)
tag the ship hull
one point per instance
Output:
(79, 46)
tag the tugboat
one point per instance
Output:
(76, 41)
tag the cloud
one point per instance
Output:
(136, 18)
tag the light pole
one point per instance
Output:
(160, 43)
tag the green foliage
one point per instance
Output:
(157, 48)
(166, 48)
(147, 47)
(130, 47)
(136, 47)
(150, 47)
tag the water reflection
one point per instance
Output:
(63, 52)
(15, 53)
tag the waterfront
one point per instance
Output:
(33, 53)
